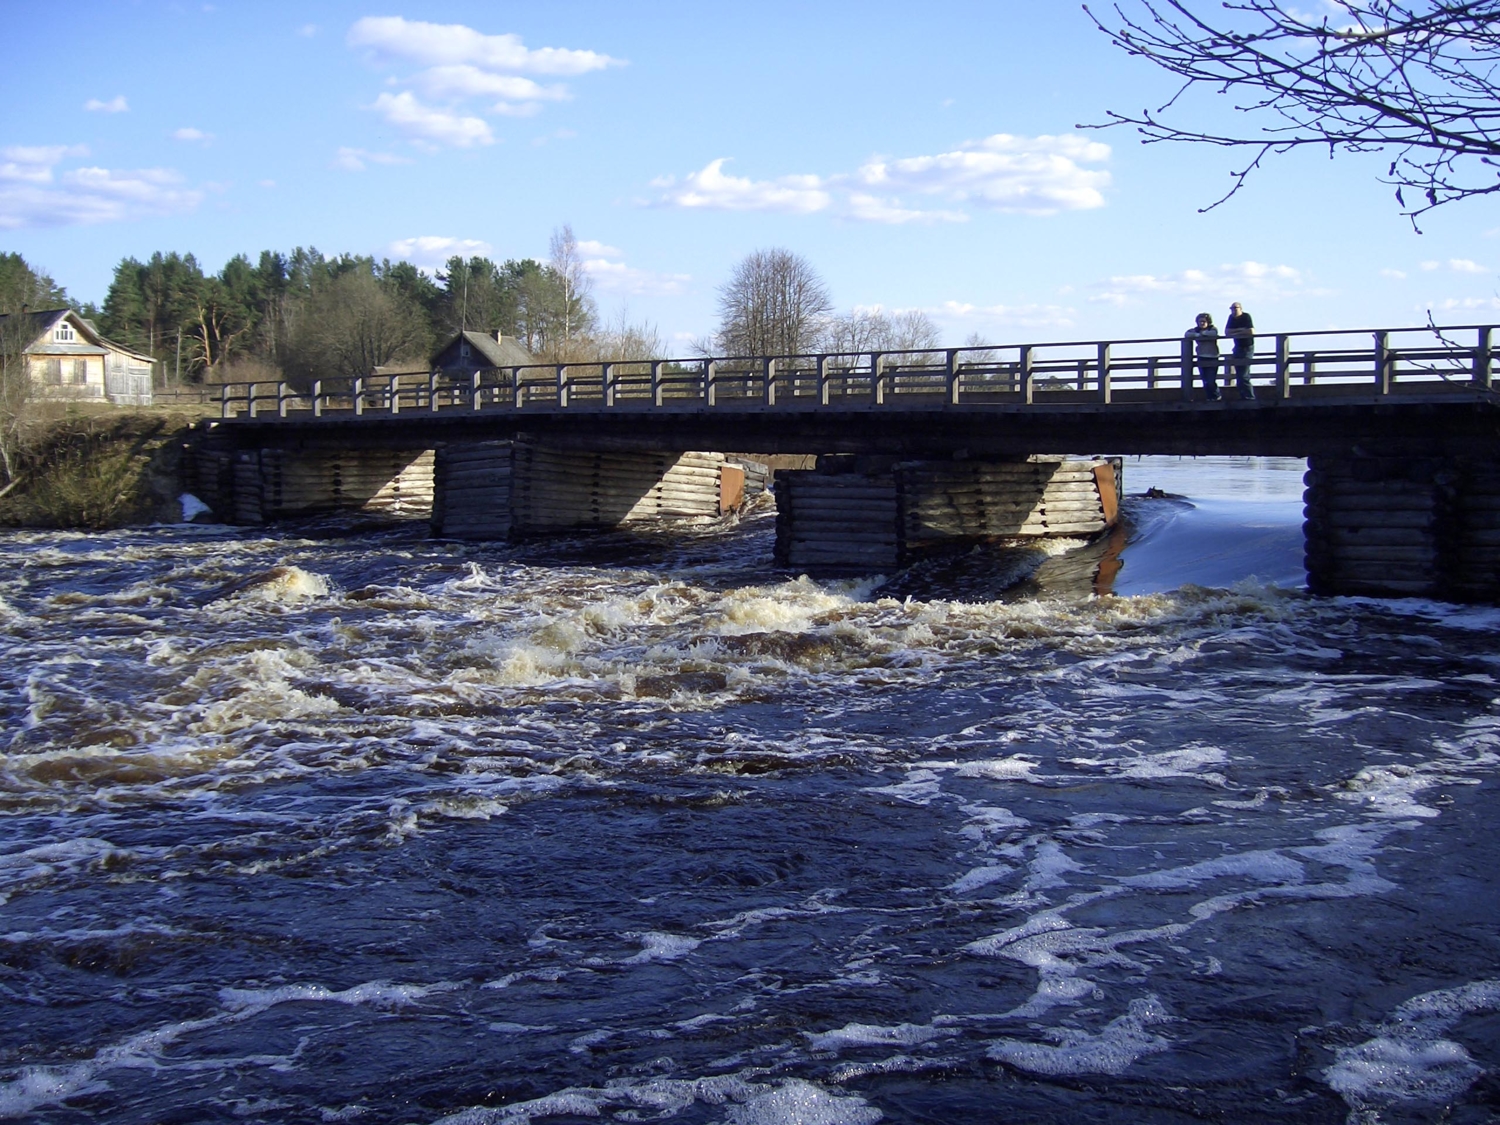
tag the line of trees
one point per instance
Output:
(304, 314)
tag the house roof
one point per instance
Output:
(40, 325)
(504, 352)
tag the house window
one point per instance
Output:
(463, 350)
(80, 371)
(54, 372)
(64, 334)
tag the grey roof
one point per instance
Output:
(504, 352)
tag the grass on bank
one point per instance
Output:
(99, 467)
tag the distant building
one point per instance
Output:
(471, 351)
(69, 359)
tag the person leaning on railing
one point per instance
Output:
(1241, 329)
(1205, 338)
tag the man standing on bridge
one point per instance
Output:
(1241, 329)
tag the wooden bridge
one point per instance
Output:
(1316, 391)
(1408, 417)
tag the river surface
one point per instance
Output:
(326, 825)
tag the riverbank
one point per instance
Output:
(100, 468)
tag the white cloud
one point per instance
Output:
(1007, 316)
(1022, 175)
(190, 134)
(1027, 175)
(430, 124)
(710, 189)
(462, 64)
(34, 163)
(34, 193)
(357, 159)
(462, 80)
(872, 209)
(1456, 265)
(1453, 304)
(308, 30)
(435, 44)
(1396, 274)
(268, 184)
(430, 252)
(116, 104)
(591, 249)
(1241, 281)
(617, 277)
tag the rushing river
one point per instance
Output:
(321, 826)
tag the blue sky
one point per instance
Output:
(920, 156)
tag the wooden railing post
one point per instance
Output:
(394, 390)
(1028, 376)
(877, 377)
(950, 375)
(1382, 364)
(517, 389)
(1187, 369)
(1482, 360)
(823, 387)
(317, 393)
(607, 383)
(1106, 386)
(768, 382)
(224, 408)
(710, 383)
(1283, 366)
(562, 384)
(432, 391)
(359, 395)
(283, 395)
(250, 396)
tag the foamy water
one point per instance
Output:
(632, 828)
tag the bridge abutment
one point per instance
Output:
(880, 513)
(1402, 526)
(495, 490)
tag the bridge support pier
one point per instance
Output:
(1394, 526)
(874, 514)
(500, 489)
(257, 486)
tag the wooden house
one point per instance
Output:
(474, 351)
(68, 359)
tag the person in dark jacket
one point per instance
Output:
(1241, 329)
(1205, 338)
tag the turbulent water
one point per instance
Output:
(324, 825)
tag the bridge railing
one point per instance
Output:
(1291, 365)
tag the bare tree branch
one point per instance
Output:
(1417, 78)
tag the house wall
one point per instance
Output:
(65, 383)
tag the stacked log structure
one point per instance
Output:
(1402, 526)
(834, 520)
(496, 490)
(272, 484)
(854, 513)
(556, 489)
(471, 491)
(944, 501)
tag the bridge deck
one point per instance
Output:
(1315, 389)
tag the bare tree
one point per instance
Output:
(353, 324)
(773, 304)
(1417, 79)
(575, 314)
(866, 330)
(23, 291)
